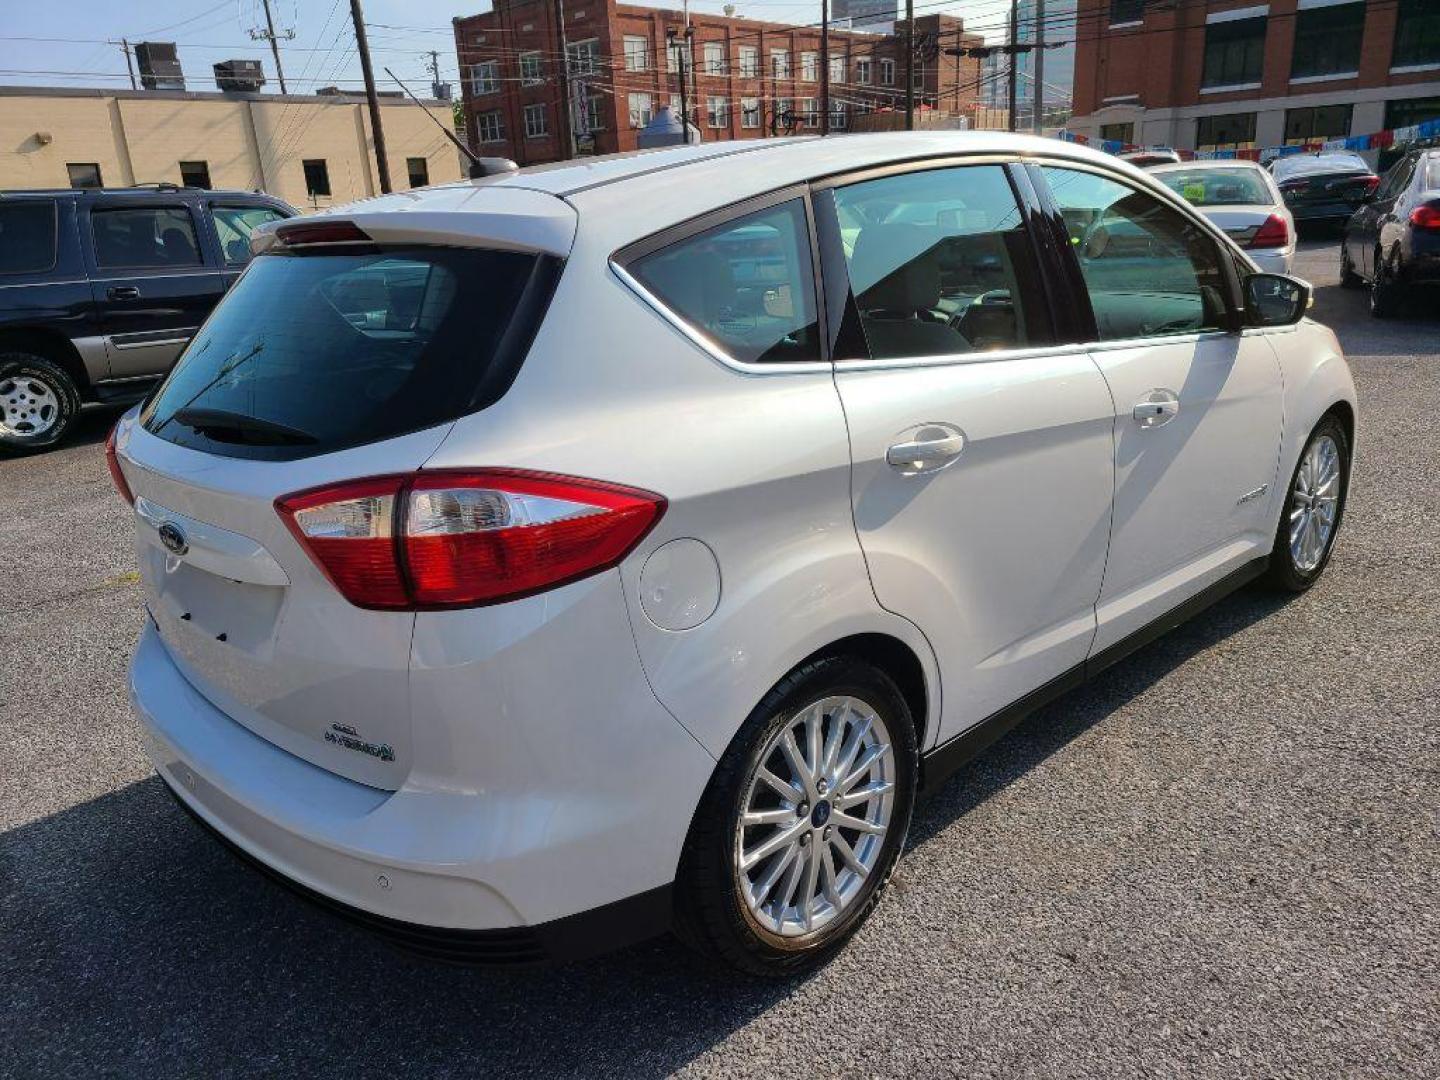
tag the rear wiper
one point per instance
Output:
(225, 426)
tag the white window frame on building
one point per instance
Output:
(673, 51)
(810, 112)
(537, 123)
(584, 56)
(839, 116)
(780, 63)
(592, 119)
(750, 113)
(809, 67)
(714, 58)
(485, 77)
(642, 108)
(490, 126)
(887, 72)
(717, 112)
(862, 70)
(532, 69)
(637, 53)
(750, 61)
(837, 69)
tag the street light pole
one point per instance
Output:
(824, 67)
(909, 65)
(1014, 63)
(1039, 69)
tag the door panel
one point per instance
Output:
(1190, 491)
(998, 557)
(151, 283)
(982, 455)
(1197, 402)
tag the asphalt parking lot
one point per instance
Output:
(1220, 859)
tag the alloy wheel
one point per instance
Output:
(1314, 503)
(29, 407)
(815, 815)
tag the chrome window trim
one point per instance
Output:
(991, 356)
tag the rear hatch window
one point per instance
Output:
(314, 352)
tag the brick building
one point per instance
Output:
(747, 79)
(1196, 74)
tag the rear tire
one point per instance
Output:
(724, 907)
(1314, 508)
(38, 403)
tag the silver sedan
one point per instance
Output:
(1241, 198)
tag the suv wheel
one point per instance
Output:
(802, 823)
(38, 402)
(1313, 509)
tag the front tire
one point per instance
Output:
(1313, 509)
(38, 403)
(801, 825)
(1349, 279)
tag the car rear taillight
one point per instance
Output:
(1273, 234)
(448, 539)
(1372, 183)
(301, 234)
(112, 462)
(1426, 216)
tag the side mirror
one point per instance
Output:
(1276, 300)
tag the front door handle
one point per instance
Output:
(1158, 409)
(927, 452)
(123, 292)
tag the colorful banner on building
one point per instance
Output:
(1378, 140)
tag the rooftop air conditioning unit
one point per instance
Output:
(239, 76)
(159, 66)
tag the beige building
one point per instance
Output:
(311, 151)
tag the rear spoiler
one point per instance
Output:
(461, 215)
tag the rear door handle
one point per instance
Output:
(1158, 409)
(123, 292)
(925, 455)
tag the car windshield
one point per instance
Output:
(1218, 187)
(312, 353)
(1312, 165)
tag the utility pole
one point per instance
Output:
(1039, 70)
(124, 44)
(567, 113)
(824, 67)
(268, 34)
(909, 65)
(1014, 62)
(435, 74)
(362, 45)
(684, 82)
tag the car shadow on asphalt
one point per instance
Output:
(135, 945)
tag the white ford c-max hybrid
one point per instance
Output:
(539, 562)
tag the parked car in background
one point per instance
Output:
(1242, 199)
(100, 289)
(1392, 243)
(1323, 189)
(1157, 155)
(583, 552)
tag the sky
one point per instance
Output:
(68, 43)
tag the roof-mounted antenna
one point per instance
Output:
(479, 166)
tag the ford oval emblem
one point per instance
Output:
(173, 538)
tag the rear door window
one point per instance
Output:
(159, 237)
(234, 224)
(27, 236)
(317, 352)
(746, 286)
(940, 263)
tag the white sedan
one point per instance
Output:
(1242, 199)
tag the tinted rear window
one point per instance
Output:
(27, 236)
(313, 353)
(1306, 165)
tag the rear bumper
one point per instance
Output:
(1312, 213)
(1274, 260)
(527, 844)
(1422, 268)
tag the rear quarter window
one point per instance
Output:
(311, 353)
(27, 236)
(746, 286)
